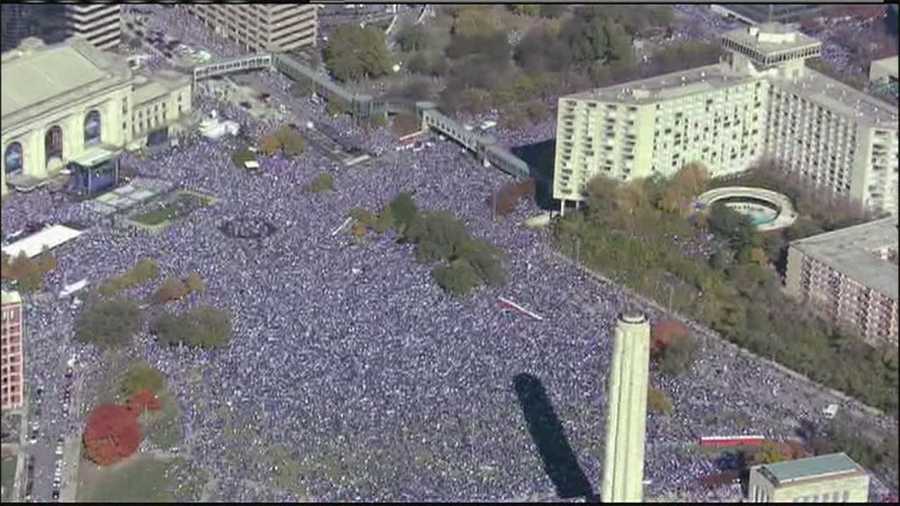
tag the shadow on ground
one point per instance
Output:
(539, 157)
(546, 430)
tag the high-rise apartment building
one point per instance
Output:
(14, 25)
(262, 27)
(850, 276)
(100, 24)
(760, 101)
(623, 468)
(12, 374)
(823, 479)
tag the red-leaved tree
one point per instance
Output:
(143, 400)
(663, 333)
(111, 434)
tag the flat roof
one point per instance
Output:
(886, 66)
(812, 468)
(94, 155)
(842, 98)
(50, 237)
(770, 37)
(854, 251)
(9, 297)
(759, 13)
(667, 86)
(37, 78)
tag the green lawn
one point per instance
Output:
(8, 475)
(181, 205)
(138, 479)
(164, 427)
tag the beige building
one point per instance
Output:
(850, 276)
(72, 102)
(826, 478)
(262, 27)
(100, 24)
(761, 101)
(12, 374)
(884, 70)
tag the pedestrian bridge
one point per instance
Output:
(252, 62)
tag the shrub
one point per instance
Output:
(363, 216)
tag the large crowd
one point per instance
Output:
(380, 385)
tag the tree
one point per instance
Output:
(403, 211)
(324, 182)
(482, 257)
(737, 228)
(525, 9)
(678, 356)
(663, 333)
(658, 401)
(142, 376)
(552, 10)
(476, 20)
(292, 143)
(143, 400)
(205, 326)
(108, 323)
(354, 53)
(412, 37)
(769, 453)
(458, 278)
(111, 434)
(195, 283)
(269, 144)
(363, 216)
(172, 289)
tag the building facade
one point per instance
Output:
(100, 24)
(826, 478)
(62, 103)
(12, 390)
(262, 27)
(623, 469)
(850, 277)
(760, 101)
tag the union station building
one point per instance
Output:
(72, 102)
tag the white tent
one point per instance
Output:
(50, 237)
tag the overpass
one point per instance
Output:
(252, 62)
(363, 106)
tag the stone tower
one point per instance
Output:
(623, 469)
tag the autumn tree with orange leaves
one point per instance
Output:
(112, 433)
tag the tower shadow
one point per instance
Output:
(546, 430)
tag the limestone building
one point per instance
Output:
(850, 276)
(12, 372)
(72, 102)
(623, 468)
(760, 101)
(823, 479)
(100, 24)
(262, 27)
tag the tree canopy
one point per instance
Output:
(108, 323)
(205, 327)
(142, 376)
(353, 53)
(111, 433)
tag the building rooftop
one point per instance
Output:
(9, 297)
(770, 37)
(842, 98)
(812, 468)
(36, 78)
(860, 252)
(886, 66)
(667, 86)
(760, 13)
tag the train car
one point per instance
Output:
(730, 441)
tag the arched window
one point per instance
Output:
(53, 143)
(92, 128)
(13, 158)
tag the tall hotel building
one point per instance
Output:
(850, 276)
(11, 354)
(100, 24)
(262, 27)
(760, 101)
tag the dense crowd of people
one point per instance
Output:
(345, 352)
